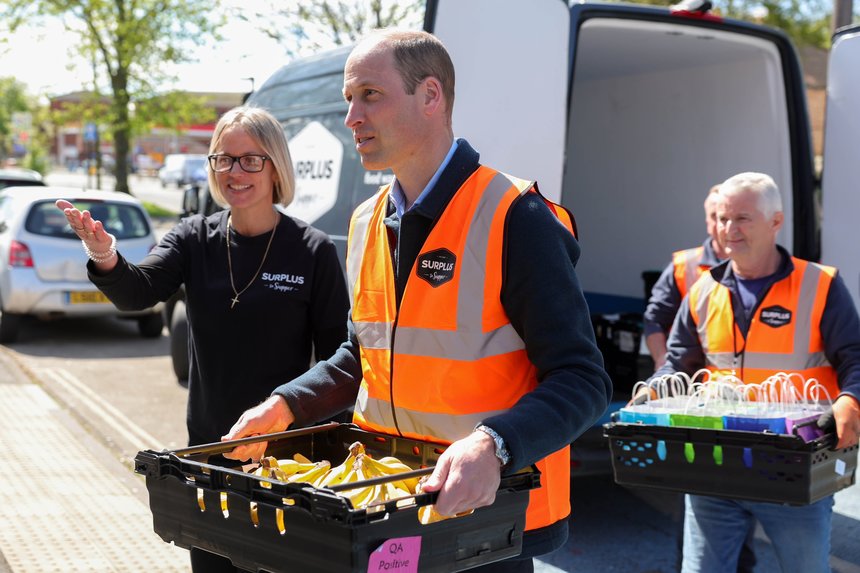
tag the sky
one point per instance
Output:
(39, 57)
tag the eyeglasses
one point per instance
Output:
(222, 163)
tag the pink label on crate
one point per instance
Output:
(399, 554)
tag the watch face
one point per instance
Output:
(502, 454)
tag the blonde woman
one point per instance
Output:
(265, 292)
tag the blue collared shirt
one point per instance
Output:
(397, 193)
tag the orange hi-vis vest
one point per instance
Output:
(688, 268)
(449, 357)
(784, 333)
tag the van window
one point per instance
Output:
(120, 219)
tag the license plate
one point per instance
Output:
(88, 297)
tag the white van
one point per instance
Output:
(627, 115)
(182, 169)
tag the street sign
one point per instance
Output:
(91, 133)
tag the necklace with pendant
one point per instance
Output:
(236, 293)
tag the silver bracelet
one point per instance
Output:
(104, 256)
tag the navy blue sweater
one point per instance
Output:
(292, 313)
(543, 299)
(666, 297)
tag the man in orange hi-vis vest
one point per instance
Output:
(468, 326)
(676, 279)
(760, 313)
(666, 295)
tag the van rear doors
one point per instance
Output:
(840, 226)
(628, 115)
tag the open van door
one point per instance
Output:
(840, 228)
(511, 59)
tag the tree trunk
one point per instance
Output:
(121, 147)
(121, 128)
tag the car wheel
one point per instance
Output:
(169, 304)
(9, 326)
(179, 342)
(151, 325)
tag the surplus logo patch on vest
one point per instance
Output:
(436, 267)
(775, 316)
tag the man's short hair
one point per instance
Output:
(417, 56)
(769, 199)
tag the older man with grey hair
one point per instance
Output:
(762, 312)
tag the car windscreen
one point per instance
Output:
(122, 220)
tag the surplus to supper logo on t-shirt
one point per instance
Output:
(282, 282)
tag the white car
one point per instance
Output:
(182, 169)
(42, 262)
(21, 177)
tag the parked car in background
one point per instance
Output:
(42, 262)
(182, 168)
(20, 177)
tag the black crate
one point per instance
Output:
(753, 466)
(299, 527)
(619, 337)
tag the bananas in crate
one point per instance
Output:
(358, 466)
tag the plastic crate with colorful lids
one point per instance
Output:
(773, 441)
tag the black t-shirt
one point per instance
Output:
(294, 311)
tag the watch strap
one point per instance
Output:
(502, 452)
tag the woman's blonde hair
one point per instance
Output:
(265, 130)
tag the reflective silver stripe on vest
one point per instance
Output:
(376, 335)
(360, 221)
(373, 335)
(800, 359)
(720, 360)
(373, 410)
(769, 361)
(691, 267)
(446, 427)
(706, 288)
(803, 317)
(468, 342)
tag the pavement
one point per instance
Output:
(67, 504)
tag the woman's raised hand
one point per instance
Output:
(100, 245)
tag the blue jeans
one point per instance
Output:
(714, 531)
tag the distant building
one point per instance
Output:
(71, 144)
(814, 62)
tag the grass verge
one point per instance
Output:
(157, 211)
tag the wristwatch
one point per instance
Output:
(501, 449)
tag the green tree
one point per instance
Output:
(40, 139)
(129, 44)
(307, 26)
(13, 99)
